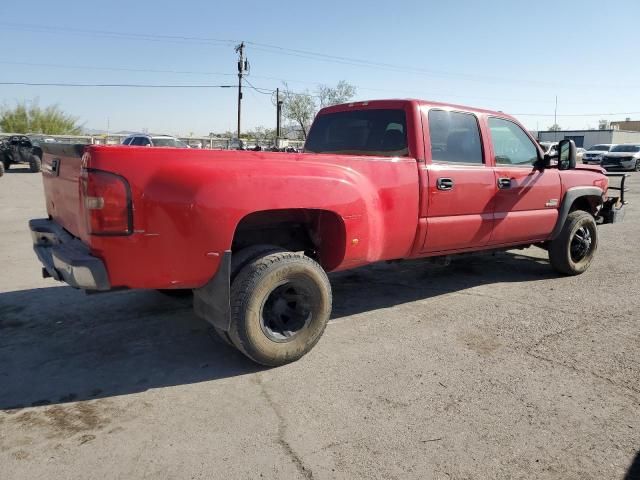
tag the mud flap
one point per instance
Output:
(212, 301)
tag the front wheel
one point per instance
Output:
(280, 306)
(637, 167)
(573, 250)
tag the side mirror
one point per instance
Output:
(566, 155)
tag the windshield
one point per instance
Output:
(360, 132)
(626, 148)
(600, 148)
(168, 142)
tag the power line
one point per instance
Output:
(114, 69)
(574, 114)
(265, 77)
(111, 85)
(264, 91)
(297, 53)
(112, 34)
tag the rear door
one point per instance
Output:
(527, 198)
(461, 187)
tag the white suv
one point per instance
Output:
(594, 154)
(143, 140)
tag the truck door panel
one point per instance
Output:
(527, 198)
(460, 187)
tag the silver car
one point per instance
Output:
(594, 154)
(144, 140)
(625, 156)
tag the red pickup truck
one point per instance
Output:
(253, 233)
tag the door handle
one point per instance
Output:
(444, 184)
(504, 183)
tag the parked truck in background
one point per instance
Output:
(253, 234)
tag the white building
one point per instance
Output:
(588, 138)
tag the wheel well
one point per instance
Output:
(319, 233)
(587, 203)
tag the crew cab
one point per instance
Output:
(254, 233)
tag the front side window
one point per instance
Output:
(455, 137)
(378, 132)
(511, 146)
(127, 141)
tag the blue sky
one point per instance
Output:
(503, 55)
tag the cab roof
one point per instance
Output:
(401, 103)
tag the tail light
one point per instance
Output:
(106, 200)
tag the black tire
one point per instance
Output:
(573, 250)
(238, 261)
(637, 168)
(35, 164)
(280, 306)
(1, 169)
(6, 164)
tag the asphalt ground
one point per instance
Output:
(493, 367)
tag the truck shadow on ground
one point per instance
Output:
(59, 345)
(633, 473)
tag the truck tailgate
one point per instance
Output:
(61, 167)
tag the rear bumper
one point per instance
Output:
(66, 258)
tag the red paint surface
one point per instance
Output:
(188, 203)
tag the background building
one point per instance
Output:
(628, 124)
(588, 138)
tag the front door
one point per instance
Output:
(461, 187)
(527, 198)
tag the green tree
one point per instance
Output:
(555, 127)
(51, 120)
(341, 93)
(301, 108)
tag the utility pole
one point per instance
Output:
(243, 65)
(278, 116)
(555, 119)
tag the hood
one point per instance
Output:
(622, 154)
(591, 168)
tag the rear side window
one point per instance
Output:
(140, 141)
(127, 141)
(360, 132)
(455, 137)
(511, 146)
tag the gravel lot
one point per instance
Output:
(493, 367)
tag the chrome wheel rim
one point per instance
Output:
(581, 244)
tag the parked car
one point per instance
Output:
(143, 140)
(254, 233)
(625, 156)
(594, 154)
(20, 149)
